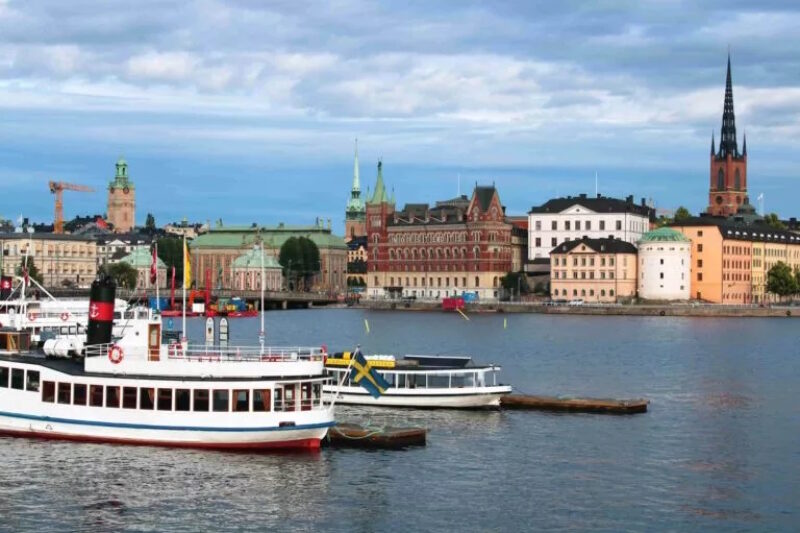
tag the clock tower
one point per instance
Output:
(122, 200)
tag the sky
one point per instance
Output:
(247, 111)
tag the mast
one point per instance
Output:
(183, 307)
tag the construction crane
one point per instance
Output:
(58, 188)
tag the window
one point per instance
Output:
(17, 378)
(660, 261)
(200, 400)
(164, 400)
(661, 275)
(221, 400)
(699, 263)
(538, 225)
(611, 292)
(129, 397)
(32, 383)
(699, 234)
(567, 225)
(619, 225)
(3, 376)
(64, 393)
(699, 247)
(699, 276)
(147, 396)
(602, 225)
(577, 225)
(241, 401)
(538, 242)
(112, 396)
(96, 395)
(554, 242)
(554, 225)
(720, 180)
(79, 394)
(261, 400)
(48, 391)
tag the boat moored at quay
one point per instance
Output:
(140, 390)
(423, 381)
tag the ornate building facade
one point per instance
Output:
(459, 246)
(122, 200)
(728, 181)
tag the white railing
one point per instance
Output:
(200, 353)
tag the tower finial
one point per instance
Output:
(744, 144)
(713, 150)
(727, 143)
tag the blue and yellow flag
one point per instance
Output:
(366, 376)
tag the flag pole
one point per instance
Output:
(183, 306)
(344, 376)
(158, 300)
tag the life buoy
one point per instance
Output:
(32, 316)
(64, 316)
(115, 354)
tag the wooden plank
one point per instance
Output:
(574, 405)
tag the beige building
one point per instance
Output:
(593, 270)
(62, 259)
(249, 267)
(142, 259)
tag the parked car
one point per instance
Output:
(576, 302)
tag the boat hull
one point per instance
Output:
(486, 397)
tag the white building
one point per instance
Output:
(566, 219)
(664, 259)
(113, 247)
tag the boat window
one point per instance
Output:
(411, 381)
(182, 399)
(241, 400)
(32, 383)
(64, 393)
(17, 378)
(79, 394)
(117, 315)
(288, 398)
(201, 400)
(438, 382)
(96, 395)
(317, 392)
(147, 396)
(112, 397)
(279, 398)
(64, 330)
(401, 381)
(305, 397)
(261, 400)
(165, 399)
(389, 377)
(221, 400)
(48, 391)
(129, 397)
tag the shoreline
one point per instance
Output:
(685, 310)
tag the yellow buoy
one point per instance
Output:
(366, 325)
(505, 323)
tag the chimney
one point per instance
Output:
(644, 202)
(583, 195)
(629, 199)
(599, 195)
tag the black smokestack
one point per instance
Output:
(101, 310)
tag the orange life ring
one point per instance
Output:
(115, 354)
(65, 316)
(32, 316)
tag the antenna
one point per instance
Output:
(761, 203)
(595, 184)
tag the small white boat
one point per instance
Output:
(424, 381)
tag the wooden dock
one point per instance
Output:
(355, 436)
(574, 405)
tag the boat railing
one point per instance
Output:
(201, 353)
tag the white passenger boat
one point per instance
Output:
(425, 381)
(140, 390)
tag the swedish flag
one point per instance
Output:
(366, 376)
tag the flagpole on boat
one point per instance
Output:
(158, 300)
(344, 375)
(183, 306)
(262, 332)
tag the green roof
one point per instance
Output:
(142, 257)
(252, 259)
(664, 235)
(241, 237)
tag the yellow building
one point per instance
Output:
(63, 260)
(730, 261)
(593, 270)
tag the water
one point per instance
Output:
(719, 449)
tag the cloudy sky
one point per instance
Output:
(247, 110)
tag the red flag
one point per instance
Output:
(154, 265)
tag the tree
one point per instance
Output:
(682, 214)
(150, 223)
(773, 221)
(124, 275)
(33, 272)
(170, 250)
(299, 257)
(781, 280)
(514, 282)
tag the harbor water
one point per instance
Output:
(719, 449)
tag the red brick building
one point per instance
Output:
(728, 181)
(462, 245)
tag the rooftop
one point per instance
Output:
(142, 257)
(759, 232)
(252, 259)
(598, 204)
(604, 245)
(664, 234)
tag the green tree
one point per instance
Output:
(150, 223)
(33, 272)
(681, 214)
(515, 281)
(299, 257)
(781, 280)
(170, 250)
(123, 274)
(773, 221)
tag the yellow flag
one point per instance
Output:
(187, 267)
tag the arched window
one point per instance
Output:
(737, 181)
(720, 180)
(477, 281)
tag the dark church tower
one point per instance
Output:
(728, 183)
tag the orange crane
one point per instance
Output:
(57, 188)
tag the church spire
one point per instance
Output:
(744, 145)
(356, 180)
(713, 150)
(379, 196)
(727, 143)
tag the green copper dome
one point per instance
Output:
(252, 259)
(664, 235)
